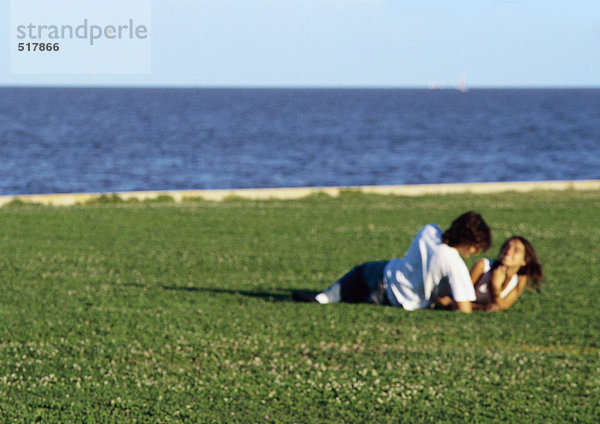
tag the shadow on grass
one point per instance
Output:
(271, 297)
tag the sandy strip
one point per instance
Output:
(299, 192)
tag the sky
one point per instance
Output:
(318, 43)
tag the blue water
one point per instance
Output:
(119, 139)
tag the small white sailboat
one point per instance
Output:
(462, 83)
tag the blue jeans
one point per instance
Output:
(362, 284)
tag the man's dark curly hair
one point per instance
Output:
(468, 229)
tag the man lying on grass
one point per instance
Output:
(432, 265)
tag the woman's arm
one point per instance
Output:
(497, 281)
(506, 302)
(477, 270)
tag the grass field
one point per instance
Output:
(165, 312)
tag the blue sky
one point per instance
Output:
(357, 43)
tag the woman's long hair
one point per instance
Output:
(532, 268)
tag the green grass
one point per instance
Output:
(164, 312)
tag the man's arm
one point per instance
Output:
(466, 307)
(446, 302)
(461, 283)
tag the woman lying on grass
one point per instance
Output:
(499, 283)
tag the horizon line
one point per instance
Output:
(307, 87)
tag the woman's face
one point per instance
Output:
(513, 254)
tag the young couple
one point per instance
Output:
(432, 273)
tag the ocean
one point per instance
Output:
(67, 140)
